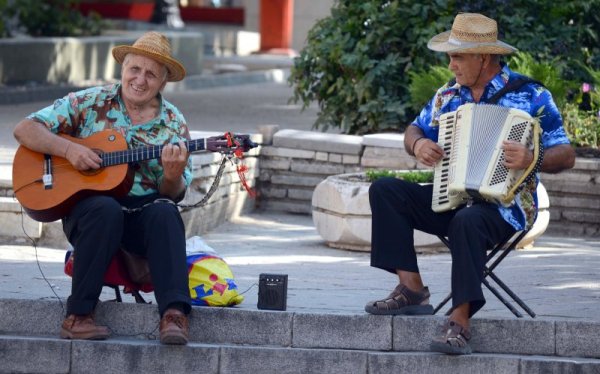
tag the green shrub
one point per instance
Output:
(582, 127)
(546, 72)
(3, 19)
(54, 18)
(424, 84)
(357, 62)
(416, 176)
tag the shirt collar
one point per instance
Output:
(500, 80)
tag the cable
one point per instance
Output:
(34, 244)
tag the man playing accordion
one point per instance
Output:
(398, 207)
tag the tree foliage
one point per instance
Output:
(51, 18)
(358, 62)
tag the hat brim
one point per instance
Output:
(175, 71)
(441, 43)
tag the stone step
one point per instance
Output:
(560, 340)
(120, 355)
(16, 225)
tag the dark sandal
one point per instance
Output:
(402, 301)
(454, 340)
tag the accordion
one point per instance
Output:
(473, 165)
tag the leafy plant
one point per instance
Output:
(546, 72)
(357, 62)
(416, 176)
(582, 127)
(423, 84)
(3, 19)
(54, 18)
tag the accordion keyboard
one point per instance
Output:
(441, 199)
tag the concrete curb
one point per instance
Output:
(308, 331)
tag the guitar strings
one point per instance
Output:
(37, 260)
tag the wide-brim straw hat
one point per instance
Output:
(157, 47)
(471, 33)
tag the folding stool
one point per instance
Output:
(118, 274)
(493, 259)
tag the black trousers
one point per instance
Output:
(399, 207)
(97, 227)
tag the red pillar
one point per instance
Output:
(276, 22)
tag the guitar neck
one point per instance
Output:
(146, 153)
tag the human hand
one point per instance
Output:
(82, 157)
(516, 155)
(427, 151)
(174, 159)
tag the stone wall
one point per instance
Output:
(575, 199)
(297, 161)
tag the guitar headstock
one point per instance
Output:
(230, 143)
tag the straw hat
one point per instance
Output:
(471, 33)
(157, 47)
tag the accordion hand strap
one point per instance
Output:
(532, 169)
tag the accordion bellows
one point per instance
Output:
(473, 167)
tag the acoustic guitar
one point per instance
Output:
(48, 186)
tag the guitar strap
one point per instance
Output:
(184, 207)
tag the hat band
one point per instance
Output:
(475, 37)
(455, 41)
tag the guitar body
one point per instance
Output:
(69, 185)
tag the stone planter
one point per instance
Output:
(342, 215)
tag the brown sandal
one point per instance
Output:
(402, 301)
(454, 340)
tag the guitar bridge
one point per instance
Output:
(47, 177)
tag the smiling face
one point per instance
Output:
(466, 67)
(142, 79)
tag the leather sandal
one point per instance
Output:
(402, 301)
(454, 340)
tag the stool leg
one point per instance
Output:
(117, 292)
(442, 303)
(510, 293)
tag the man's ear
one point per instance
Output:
(486, 59)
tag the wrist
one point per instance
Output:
(414, 144)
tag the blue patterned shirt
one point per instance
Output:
(531, 98)
(83, 113)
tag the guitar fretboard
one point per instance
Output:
(146, 153)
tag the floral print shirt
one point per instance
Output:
(83, 113)
(531, 98)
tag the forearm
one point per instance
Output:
(411, 135)
(558, 158)
(37, 137)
